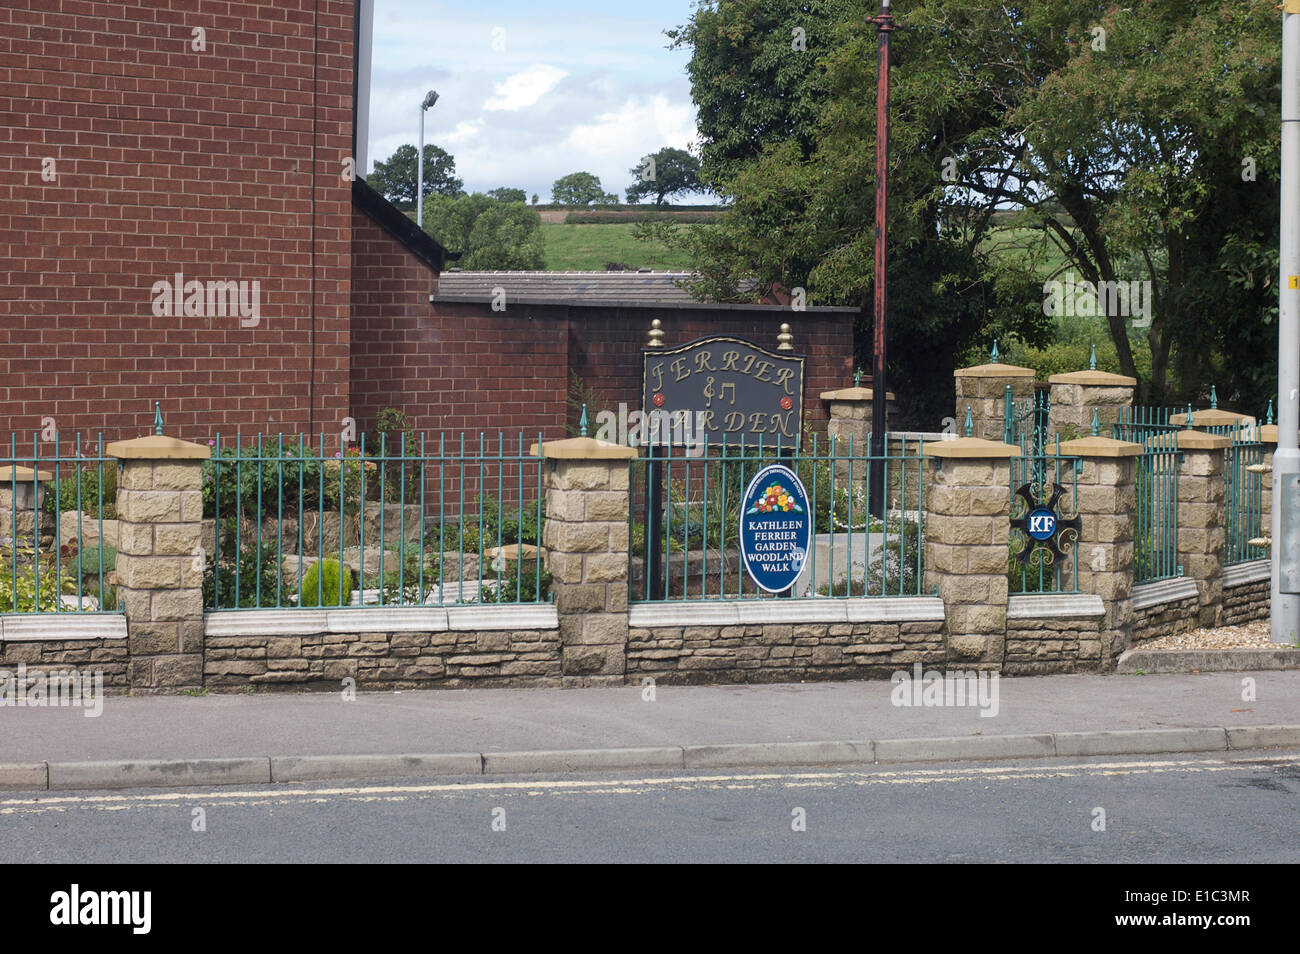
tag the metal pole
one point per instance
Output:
(879, 384)
(419, 186)
(1285, 608)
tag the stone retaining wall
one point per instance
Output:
(1037, 647)
(385, 660)
(1246, 602)
(1166, 619)
(109, 656)
(781, 652)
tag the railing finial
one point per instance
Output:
(1096, 423)
(1214, 398)
(970, 425)
(994, 352)
(582, 421)
(157, 418)
(1269, 418)
(1092, 358)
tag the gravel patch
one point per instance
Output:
(1253, 635)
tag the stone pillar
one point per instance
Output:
(586, 538)
(851, 410)
(1202, 490)
(1267, 437)
(1107, 508)
(22, 491)
(983, 390)
(159, 569)
(967, 543)
(1076, 395)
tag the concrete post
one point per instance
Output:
(983, 390)
(159, 561)
(967, 541)
(1202, 491)
(1107, 508)
(1076, 395)
(586, 538)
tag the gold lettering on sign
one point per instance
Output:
(781, 422)
(703, 361)
(783, 376)
(679, 367)
(763, 368)
(658, 372)
(729, 360)
(734, 421)
(709, 393)
(749, 363)
(723, 392)
(756, 422)
(706, 421)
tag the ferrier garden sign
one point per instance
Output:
(722, 388)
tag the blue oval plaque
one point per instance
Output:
(775, 528)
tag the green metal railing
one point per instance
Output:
(1155, 531)
(1037, 479)
(57, 509)
(685, 518)
(288, 522)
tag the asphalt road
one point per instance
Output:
(1158, 809)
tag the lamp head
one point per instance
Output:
(430, 98)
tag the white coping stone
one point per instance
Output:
(744, 612)
(1054, 605)
(1146, 595)
(62, 627)
(1239, 574)
(396, 619)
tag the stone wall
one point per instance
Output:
(1166, 619)
(781, 652)
(109, 656)
(1040, 646)
(385, 660)
(1246, 602)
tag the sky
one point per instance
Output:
(530, 92)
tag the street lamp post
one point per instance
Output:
(1285, 601)
(430, 98)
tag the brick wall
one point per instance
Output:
(169, 159)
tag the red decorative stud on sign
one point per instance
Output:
(786, 403)
(659, 400)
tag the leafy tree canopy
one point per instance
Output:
(580, 188)
(665, 173)
(397, 178)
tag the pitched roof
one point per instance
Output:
(588, 287)
(393, 220)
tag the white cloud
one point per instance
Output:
(525, 88)
(636, 128)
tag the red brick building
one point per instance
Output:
(177, 225)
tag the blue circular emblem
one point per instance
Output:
(775, 528)
(1041, 523)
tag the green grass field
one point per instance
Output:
(590, 247)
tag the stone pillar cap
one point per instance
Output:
(995, 371)
(1101, 447)
(157, 447)
(11, 473)
(1096, 379)
(853, 394)
(970, 447)
(582, 448)
(1199, 440)
(1212, 417)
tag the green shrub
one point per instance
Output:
(23, 592)
(324, 583)
(255, 564)
(61, 495)
(518, 584)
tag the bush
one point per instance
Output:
(23, 592)
(518, 584)
(255, 563)
(327, 583)
(289, 475)
(61, 496)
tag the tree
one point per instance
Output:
(487, 234)
(1122, 132)
(580, 188)
(667, 172)
(506, 236)
(396, 179)
(504, 194)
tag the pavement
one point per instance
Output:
(282, 737)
